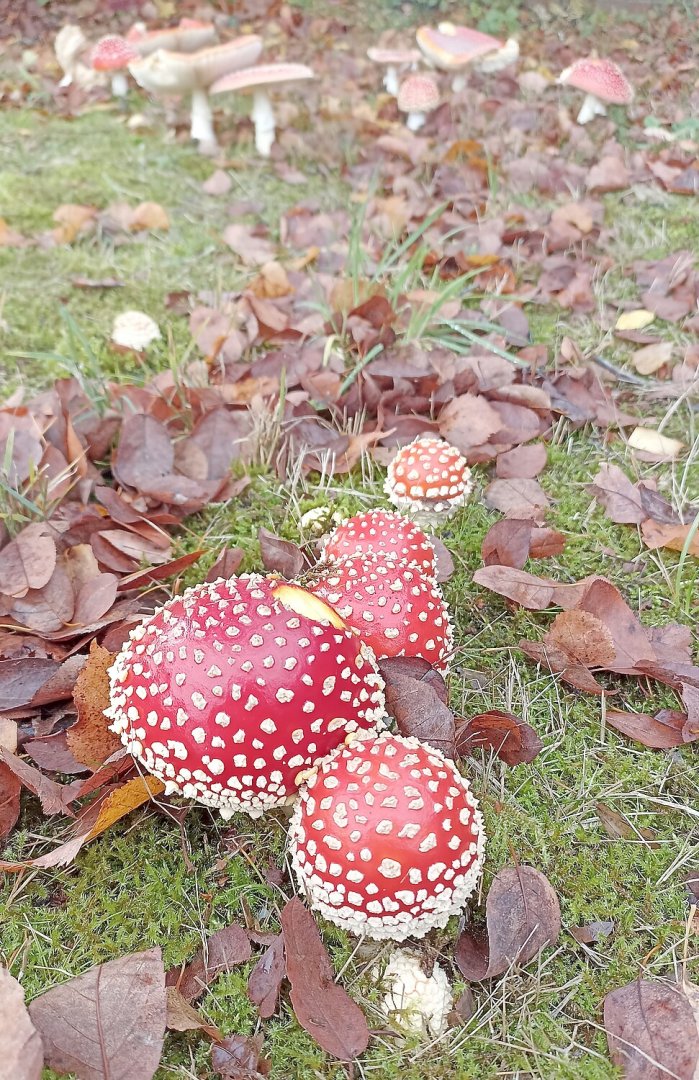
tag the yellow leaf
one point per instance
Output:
(72, 219)
(149, 215)
(652, 442)
(634, 320)
(123, 800)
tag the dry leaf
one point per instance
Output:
(21, 1051)
(417, 707)
(634, 320)
(280, 556)
(652, 1030)
(519, 498)
(238, 1057)
(181, 1016)
(90, 739)
(659, 447)
(660, 732)
(266, 978)
(674, 537)
(620, 498)
(651, 358)
(511, 738)
(224, 950)
(123, 800)
(149, 215)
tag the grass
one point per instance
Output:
(131, 888)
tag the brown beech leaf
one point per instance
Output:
(238, 1057)
(322, 1008)
(524, 462)
(28, 561)
(674, 537)
(159, 573)
(95, 598)
(55, 798)
(51, 753)
(555, 659)
(522, 916)
(513, 740)
(280, 556)
(652, 1030)
(663, 731)
(21, 678)
(417, 707)
(592, 932)
(266, 978)
(692, 883)
(107, 1024)
(620, 498)
(181, 1016)
(583, 637)
(227, 563)
(144, 454)
(120, 801)
(507, 543)
(544, 543)
(89, 738)
(519, 497)
(21, 1052)
(530, 591)
(10, 789)
(225, 949)
(445, 562)
(618, 827)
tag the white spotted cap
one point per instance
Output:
(387, 840)
(383, 532)
(396, 609)
(230, 697)
(428, 475)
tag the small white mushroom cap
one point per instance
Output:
(417, 1003)
(134, 330)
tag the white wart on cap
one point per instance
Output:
(418, 95)
(387, 840)
(230, 697)
(381, 532)
(604, 84)
(429, 479)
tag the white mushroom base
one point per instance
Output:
(120, 85)
(415, 121)
(202, 129)
(262, 116)
(418, 1004)
(591, 107)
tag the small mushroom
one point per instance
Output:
(256, 79)
(604, 84)
(381, 532)
(134, 331)
(69, 45)
(113, 54)
(190, 35)
(393, 60)
(166, 72)
(395, 608)
(387, 840)
(230, 696)
(452, 48)
(418, 95)
(428, 478)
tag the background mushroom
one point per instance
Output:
(112, 54)
(190, 35)
(452, 48)
(393, 60)
(428, 478)
(381, 532)
(256, 79)
(231, 698)
(166, 72)
(387, 840)
(134, 331)
(418, 95)
(604, 84)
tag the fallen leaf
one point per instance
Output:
(620, 498)
(417, 707)
(443, 558)
(634, 320)
(280, 556)
(107, 1024)
(618, 827)
(651, 358)
(266, 978)
(149, 215)
(10, 789)
(224, 950)
(592, 933)
(251, 248)
(511, 738)
(663, 731)
(519, 497)
(55, 798)
(507, 543)
(22, 678)
(659, 447)
(238, 1057)
(90, 739)
(227, 563)
(652, 1030)
(522, 916)
(468, 420)
(122, 800)
(322, 1008)
(71, 220)
(219, 183)
(525, 462)
(584, 637)
(28, 561)
(21, 1052)
(181, 1016)
(528, 590)
(673, 537)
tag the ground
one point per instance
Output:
(131, 888)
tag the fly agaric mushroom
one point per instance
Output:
(603, 82)
(230, 696)
(393, 60)
(256, 79)
(381, 532)
(113, 54)
(418, 95)
(452, 48)
(387, 840)
(428, 477)
(190, 35)
(395, 608)
(165, 72)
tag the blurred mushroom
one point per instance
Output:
(189, 36)
(429, 479)
(393, 60)
(134, 331)
(603, 82)
(452, 48)
(418, 95)
(112, 54)
(256, 78)
(166, 72)
(500, 59)
(68, 45)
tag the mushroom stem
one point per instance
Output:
(458, 83)
(262, 116)
(415, 120)
(120, 85)
(591, 107)
(202, 129)
(390, 80)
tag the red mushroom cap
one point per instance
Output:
(383, 532)
(111, 53)
(230, 696)
(450, 47)
(418, 93)
(395, 608)
(428, 475)
(387, 839)
(600, 77)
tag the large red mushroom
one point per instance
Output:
(382, 532)
(230, 696)
(386, 839)
(396, 609)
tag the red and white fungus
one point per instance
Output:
(395, 608)
(231, 697)
(429, 478)
(382, 532)
(386, 839)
